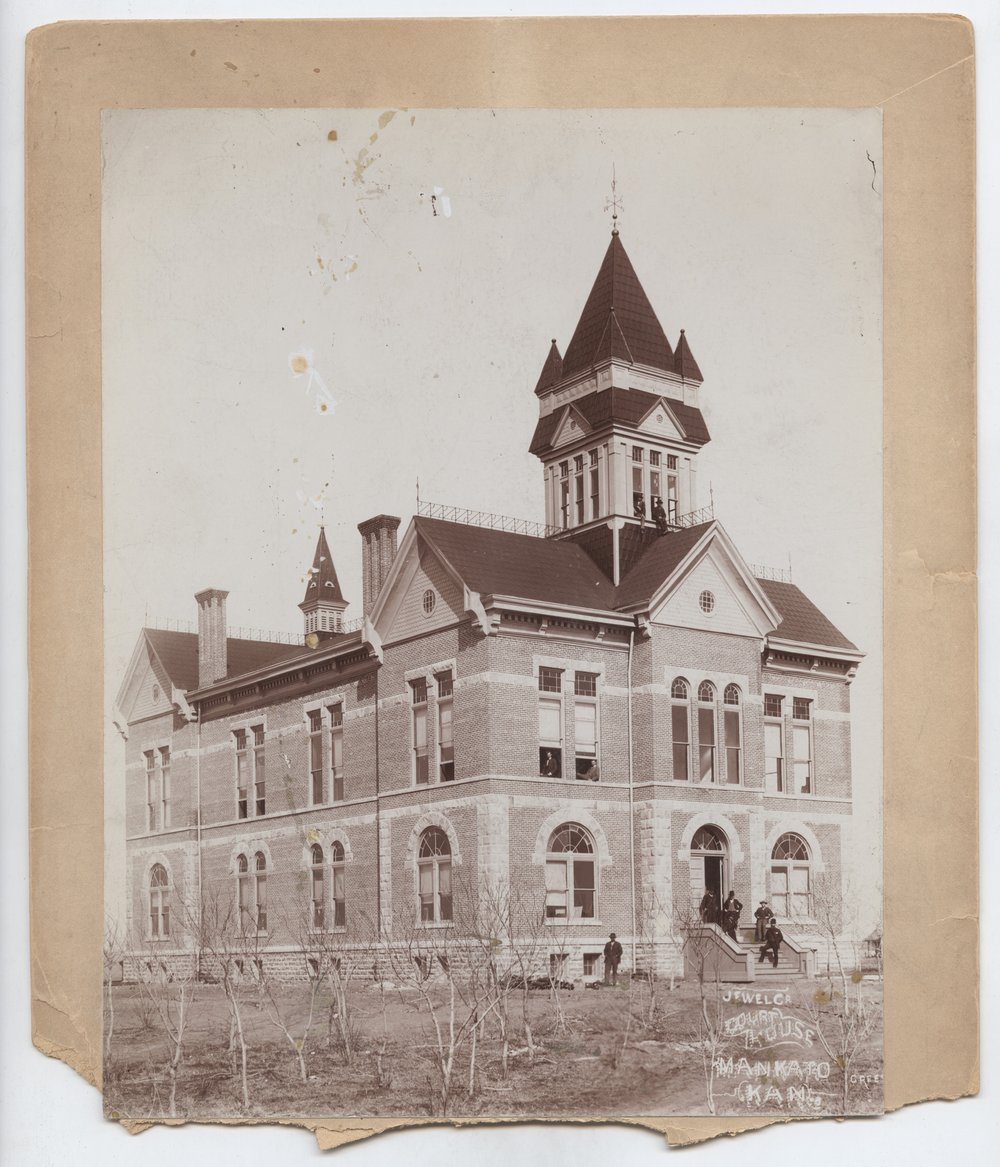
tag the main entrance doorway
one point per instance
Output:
(709, 853)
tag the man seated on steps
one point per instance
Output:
(772, 942)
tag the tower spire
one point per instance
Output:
(324, 604)
(614, 204)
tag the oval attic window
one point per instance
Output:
(156, 692)
(707, 601)
(429, 601)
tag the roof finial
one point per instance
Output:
(614, 204)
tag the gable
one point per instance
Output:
(736, 610)
(573, 426)
(147, 689)
(661, 423)
(404, 614)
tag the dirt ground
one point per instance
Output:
(596, 1051)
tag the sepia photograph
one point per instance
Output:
(493, 577)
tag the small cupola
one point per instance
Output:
(324, 604)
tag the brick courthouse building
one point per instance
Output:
(612, 712)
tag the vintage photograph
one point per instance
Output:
(493, 567)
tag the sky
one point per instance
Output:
(307, 311)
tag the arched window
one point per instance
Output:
(244, 893)
(339, 901)
(708, 839)
(790, 877)
(706, 732)
(733, 734)
(260, 890)
(318, 887)
(159, 902)
(680, 723)
(434, 876)
(570, 875)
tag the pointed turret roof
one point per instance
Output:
(617, 320)
(551, 370)
(684, 363)
(323, 583)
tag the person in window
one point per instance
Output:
(639, 508)
(550, 765)
(708, 909)
(731, 915)
(763, 915)
(592, 772)
(772, 942)
(659, 515)
(612, 959)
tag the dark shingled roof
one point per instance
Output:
(551, 370)
(684, 363)
(659, 560)
(178, 652)
(501, 563)
(323, 583)
(627, 406)
(617, 320)
(801, 620)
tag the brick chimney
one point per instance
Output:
(378, 550)
(212, 662)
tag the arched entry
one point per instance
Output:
(709, 854)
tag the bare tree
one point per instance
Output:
(114, 951)
(171, 995)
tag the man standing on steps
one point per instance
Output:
(731, 915)
(762, 916)
(612, 958)
(772, 942)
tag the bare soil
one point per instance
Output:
(597, 1051)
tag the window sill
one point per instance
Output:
(436, 926)
(570, 922)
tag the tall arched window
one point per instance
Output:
(570, 875)
(706, 732)
(244, 893)
(434, 876)
(159, 902)
(318, 887)
(790, 877)
(733, 733)
(339, 900)
(709, 858)
(680, 723)
(260, 890)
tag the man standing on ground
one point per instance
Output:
(772, 942)
(612, 958)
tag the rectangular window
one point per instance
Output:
(585, 727)
(637, 453)
(564, 501)
(152, 801)
(336, 713)
(261, 889)
(654, 457)
(242, 774)
(418, 694)
(772, 705)
(446, 745)
(165, 786)
(579, 497)
(592, 456)
(595, 494)
(682, 743)
(549, 680)
(585, 684)
(318, 896)
(774, 775)
(592, 964)
(556, 889)
(801, 708)
(584, 889)
(316, 757)
(578, 462)
(259, 772)
(734, 746)
(671, 461)
(706, 744)
(802, 750)
(563, 469)
(550, 737)
(654, 483)
(671, 499)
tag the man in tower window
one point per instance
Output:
(659, 515)
(550, 765)
(639, 507)
(592, 773)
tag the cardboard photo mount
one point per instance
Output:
(917, 69)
